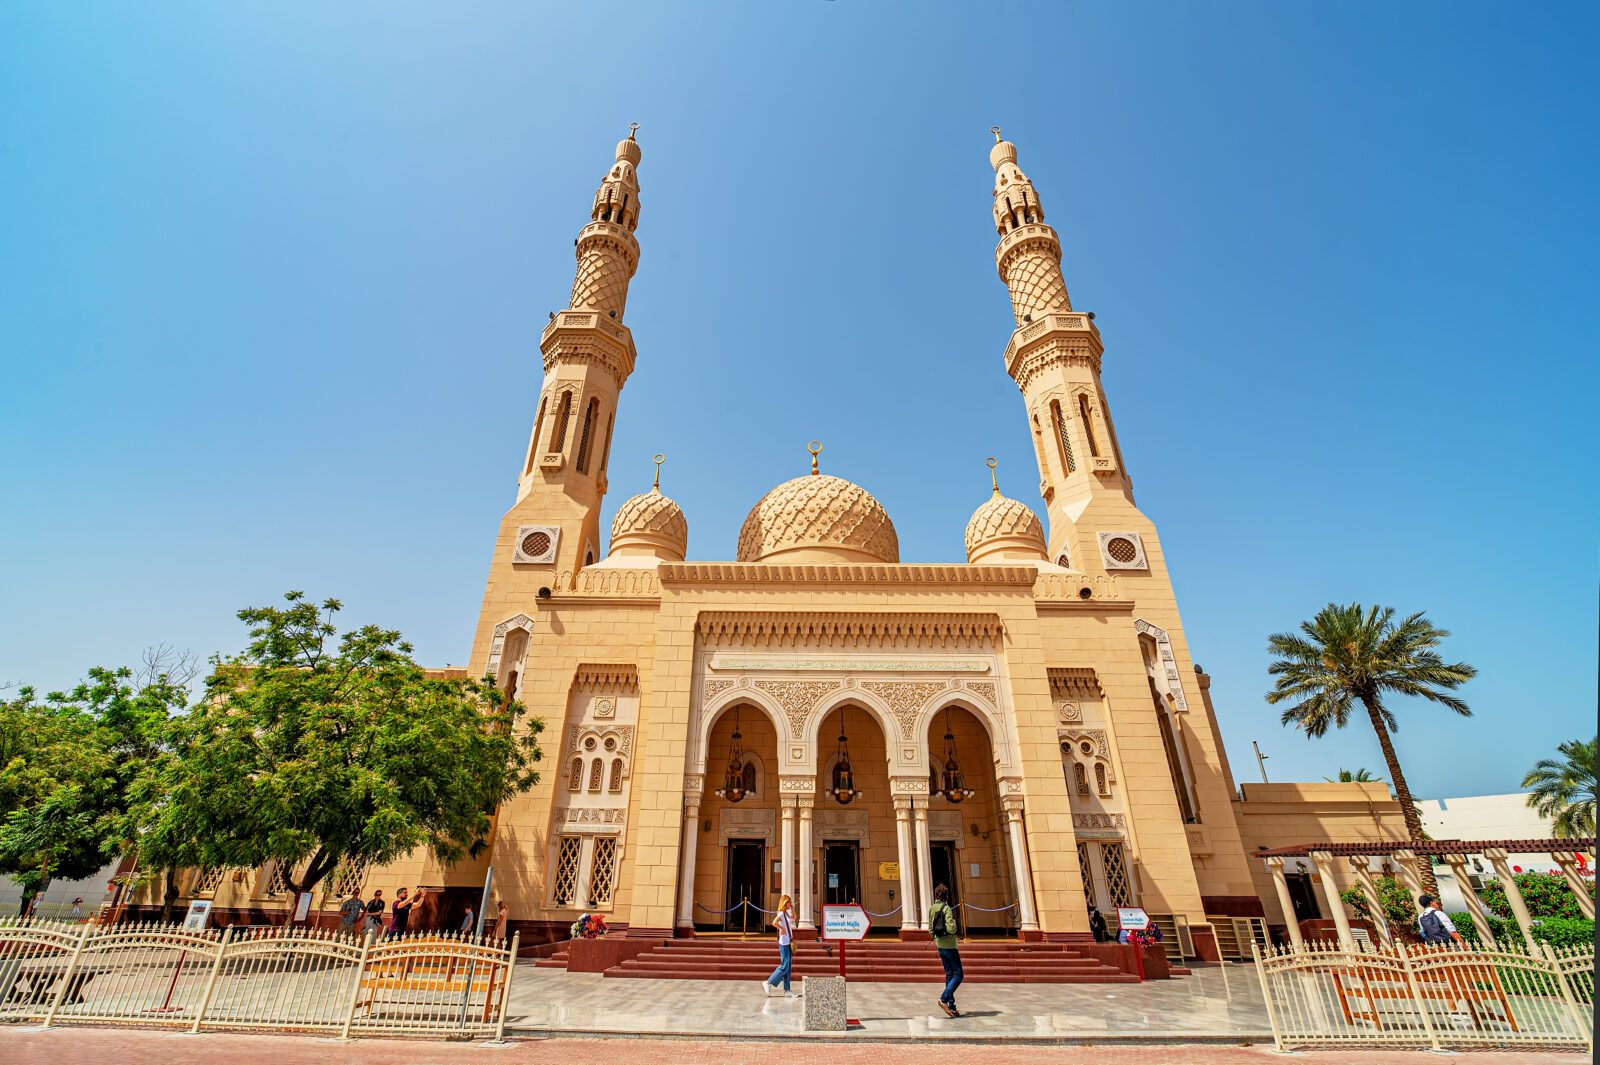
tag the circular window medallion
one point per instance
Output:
(1119, 548)
(611, 743)
(1086, 748)
(535, 544)
(588, 744)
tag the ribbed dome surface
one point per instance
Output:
(651, 520)
(1003, 522)
(821, 518)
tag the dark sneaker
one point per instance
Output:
(949, 1010)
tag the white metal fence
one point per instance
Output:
(1324, 995)
(259, 978)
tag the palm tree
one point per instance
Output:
(1360, 776)
(1563, 788)
(1352, 654)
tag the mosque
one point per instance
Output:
(819, 718)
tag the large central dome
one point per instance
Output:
(818, 519)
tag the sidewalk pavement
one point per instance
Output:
(97, 1046)
(1216, 1003)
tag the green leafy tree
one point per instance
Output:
(311, 749)
(1359, 776)
(1348, 656)
(1563, 789)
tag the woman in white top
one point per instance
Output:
(784, 923)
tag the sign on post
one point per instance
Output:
(198, 917)
(302, 907)
(845, 922)
(1133, 918)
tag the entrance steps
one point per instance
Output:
(880, 961)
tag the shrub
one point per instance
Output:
(1399, 910)
(1546, 895)
(1556, 931)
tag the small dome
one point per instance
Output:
(1004, 529)
(650, 524)
(1002, 152)
(817, 518)
(628, 150)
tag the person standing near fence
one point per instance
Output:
(375, 912)
(1435, 925)
(403, 903)
(469, 923)
(350, 913)
(942, 926)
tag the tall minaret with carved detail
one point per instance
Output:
(552, 530)
(1054, 356)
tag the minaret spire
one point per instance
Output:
(1029, 256)
(607, 252)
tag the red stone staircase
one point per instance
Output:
(874, 960)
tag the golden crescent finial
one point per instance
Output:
(815, 447)
(996, 131)
(658, 460)
(992, 478)
(633, 128)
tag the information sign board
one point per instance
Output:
(845, 922)
(198, 917)
(1132, 918)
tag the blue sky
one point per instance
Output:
(274, 274)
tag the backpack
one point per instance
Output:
(938, 926)
(1433, 931)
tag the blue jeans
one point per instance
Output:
(950, 958)
(785, 963)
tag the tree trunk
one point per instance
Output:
(169, 897)
(1408, 808)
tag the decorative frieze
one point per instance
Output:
(591, 815)
(1100, 825)
(1167, 661)
(618, 677)
(776, 628)
(734, 823)
(713, 688)
(744, 663)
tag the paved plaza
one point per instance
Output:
(1217, 1001)
(72, 1046)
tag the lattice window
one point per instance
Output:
(1088, 424)
(1080, 780)
(558, 438)
(575, 778)
(1064, 561)
(1061, 435)
(596, 772)
(602, 870)
(586, 434)
(1086, 874)
(278, 879)
(605, 451)
(566, 883)
(614, 785)
(538, 427)
(1100, 779)
(749, 778)
(1116, 873)
(348, 878)
(206, 881)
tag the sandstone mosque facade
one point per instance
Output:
(819, 718)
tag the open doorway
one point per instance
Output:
(841, 873)
(945, 869)
(745, 860)
(1303, 896)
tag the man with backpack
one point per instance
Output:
(1435, 925)
(942, 926)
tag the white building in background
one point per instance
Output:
(56, 901)
(1484, 817)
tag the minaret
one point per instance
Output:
(1054, 356)
(588, 355)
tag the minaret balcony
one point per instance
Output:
(1064, 335)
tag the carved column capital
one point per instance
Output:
(805, 803)
(1012, 807)
(1358, 863)
(902, 807)
(691, 807)
(1274, 862)
(1322, 859)
(1455, 861)
(789, 803)
(1497, 855)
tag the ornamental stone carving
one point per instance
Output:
(1099, 824)
(713, 688)
(1070, 713)
(746, 824)
(1168, 661)
(905, 699)
(831, 825)
(909, 786)
(591, 815)
(797, 697)
(1072, 741)
(804, 785)
(1004, 528)
(650, 523)
(986, 689)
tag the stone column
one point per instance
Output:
(924, 861)
(786, 848)
(1409, 874)
(807, 918)
(1502, 871)
(1019, 864)
(1475, 910)
(910, 914)
(691, 836)
(1579, 886)
(1380, 920)
(1323, 860)
(1281, 886)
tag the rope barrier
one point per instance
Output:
(985, 909)
(708, 909)
(890, 913)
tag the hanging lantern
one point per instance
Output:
(733, 788)
(952, 786)
(844, 778)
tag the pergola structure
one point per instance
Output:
(1404, 854)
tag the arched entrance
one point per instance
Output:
(737, 868)
(968, 850)
(853, 851)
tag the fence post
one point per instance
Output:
(355, 985)
(1266, 996)
(211, 981)
(66, 977)
(505, 989)
(1578, 1016)
(1416, 995)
